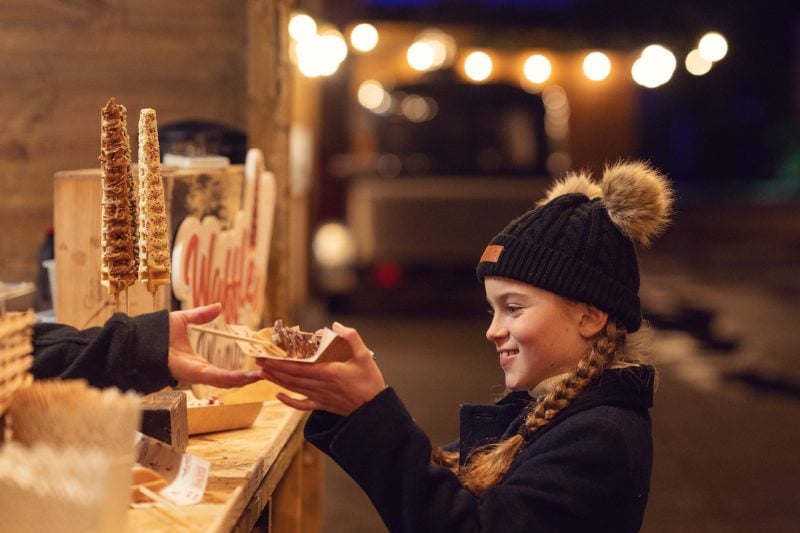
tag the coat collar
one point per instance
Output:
(630, 387)
(484, 424)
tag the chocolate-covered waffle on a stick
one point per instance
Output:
(118, 270)
(153, 234)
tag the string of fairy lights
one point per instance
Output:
(319, 49)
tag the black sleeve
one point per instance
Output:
(127, 352)
(388, 455)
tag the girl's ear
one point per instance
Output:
(592, 321)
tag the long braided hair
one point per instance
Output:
(487, 465)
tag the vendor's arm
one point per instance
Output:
(144, 353)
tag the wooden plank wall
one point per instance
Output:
(62, 59)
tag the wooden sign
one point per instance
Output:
(213, 263)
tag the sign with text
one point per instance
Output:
(214, 263)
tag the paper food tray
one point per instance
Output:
(331, 347)
(222, 417)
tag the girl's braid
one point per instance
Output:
(602, 354)
(488, 466)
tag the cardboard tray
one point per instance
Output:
(224, 417)
(331, 348)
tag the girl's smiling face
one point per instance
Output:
(537, 333)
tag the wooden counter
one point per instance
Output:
(263, 478)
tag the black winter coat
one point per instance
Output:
(587, 471)
(127, 352)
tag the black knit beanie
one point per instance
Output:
(580, 241)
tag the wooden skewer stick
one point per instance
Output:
(269, 346)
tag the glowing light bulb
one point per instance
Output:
(713, 46)
(654, 67)
(537, 68)
(596, 66)
(421, 56)
(478, 66)
(318, 56)
(364, 37)
(302, 26)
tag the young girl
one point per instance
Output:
(569, 448)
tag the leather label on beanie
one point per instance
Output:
(492, 253)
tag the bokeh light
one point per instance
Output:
(421, 56)
(596, 66)
(364, 37)
(537, 68)
(478, 66)
(696, 64)
(374, 97)
(333, 40)
(713, 46)
(302, 26)
(417, 108)
(444, 46)
(655, 66)
(319, 55)
(334, 246)
(556, 112)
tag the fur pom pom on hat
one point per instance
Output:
(580, 240)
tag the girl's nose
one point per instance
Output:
(495, 332)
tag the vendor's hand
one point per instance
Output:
(336, 387)
(189, 367)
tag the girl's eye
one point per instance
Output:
(511, 309)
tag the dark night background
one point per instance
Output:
(736, 126)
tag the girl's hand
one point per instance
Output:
(336, 387)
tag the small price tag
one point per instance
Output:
(186, 474)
